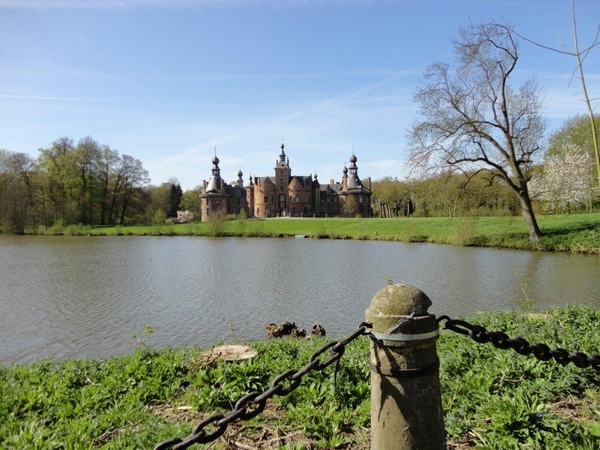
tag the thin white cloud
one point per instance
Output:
(170, 4)
(59, 99)
(288, 76)
(317, 133)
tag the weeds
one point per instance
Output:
(465, 231)
(492, 398)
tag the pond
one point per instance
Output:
(77, 297)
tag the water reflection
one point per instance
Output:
(86, 296)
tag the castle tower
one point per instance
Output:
(283, 174)
(250, 197)
(214, 198)
(216, 183)
(355, 198)
(353, 179)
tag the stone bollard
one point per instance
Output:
(406, 400)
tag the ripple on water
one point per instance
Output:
(86, 297)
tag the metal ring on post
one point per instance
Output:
(402, 337)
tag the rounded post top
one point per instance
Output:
(395, 301)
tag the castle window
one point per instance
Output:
(257, 211)
(360, 199)
(217, 201)
(266, 199)
(297, 199)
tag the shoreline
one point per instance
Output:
(570, 233)
(489, 395)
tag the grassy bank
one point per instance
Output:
(492, 398)
(579, 233)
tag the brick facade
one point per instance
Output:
(286, 195)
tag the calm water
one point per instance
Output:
(66, 297)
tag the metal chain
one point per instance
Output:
(253, 403)
(502, 341)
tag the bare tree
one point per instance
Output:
(474, 121)
(580, 56)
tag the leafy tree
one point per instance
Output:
(485, 196)
(392, 196)
(158, 200)
(5, 173)
(55, 162)
(24, 168)
(175, 194)
(450, 192)
(14, 207)
(190, 201)
(134, 178)
(350, 205)
(574, 131)
(451, 195)
(474, 120)
(88, 183)
(85, 182)
(107, 172)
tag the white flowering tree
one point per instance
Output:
(185, 216)
(476, 120)
(566, 179)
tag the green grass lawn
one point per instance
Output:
(578, 233)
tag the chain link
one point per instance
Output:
(253, 403)
(520, 345)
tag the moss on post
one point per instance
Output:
(406, 404)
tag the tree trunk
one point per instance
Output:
(527, 212)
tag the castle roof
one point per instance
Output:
(304, 180)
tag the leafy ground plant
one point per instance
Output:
(493, 399)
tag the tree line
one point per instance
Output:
(91, 184)
(87, 183)
(476, 147)
(564, 180)
(443, 195)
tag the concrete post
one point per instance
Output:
(406, 401)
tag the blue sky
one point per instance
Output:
(167, 81)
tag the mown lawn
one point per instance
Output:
(578, 233)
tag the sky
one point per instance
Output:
(171, 82)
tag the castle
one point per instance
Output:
(286, 195)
